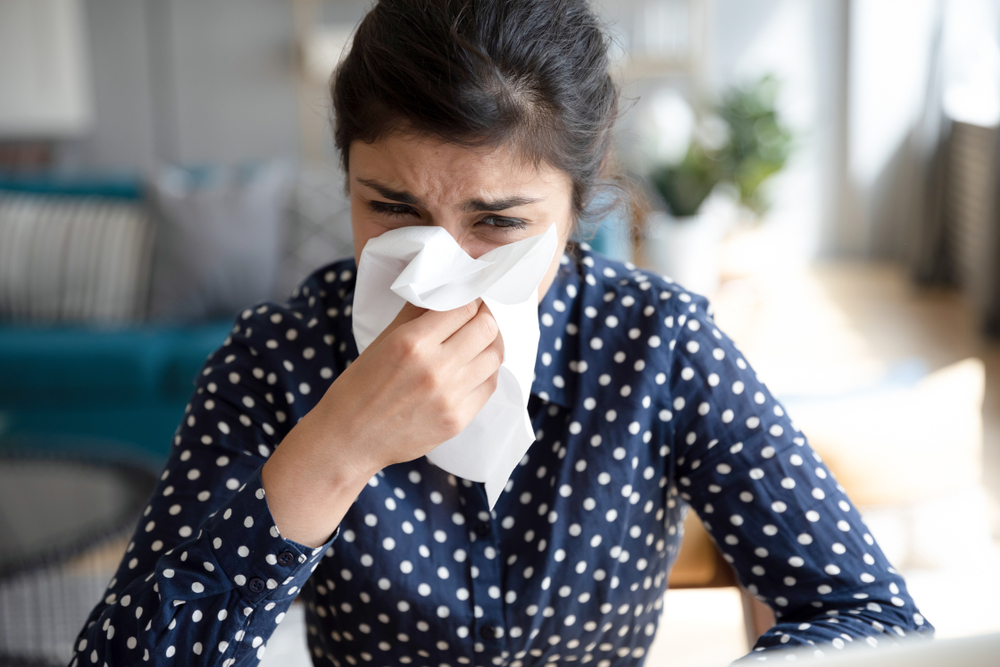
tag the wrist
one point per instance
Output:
(309, 486)
(332, 457)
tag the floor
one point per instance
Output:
(827, 328)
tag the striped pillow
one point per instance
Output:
(73, 259)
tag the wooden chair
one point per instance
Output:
(700, 565)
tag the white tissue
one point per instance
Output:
(427, 267)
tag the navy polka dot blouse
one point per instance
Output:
(642, 409)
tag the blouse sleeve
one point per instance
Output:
(207, 576)
(778, 515)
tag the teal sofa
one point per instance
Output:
(125, 385)
(87, 386)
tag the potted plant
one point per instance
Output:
(737, 145)
(682, 241)
(759, 144)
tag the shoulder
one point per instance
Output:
(641, 302)
(310, 316)
(292, 348)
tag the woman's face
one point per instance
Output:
(484, 199)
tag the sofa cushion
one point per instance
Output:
(73, 258)
(218, 239)
(83, 367)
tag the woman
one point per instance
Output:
(299, 469)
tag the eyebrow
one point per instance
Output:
(470, 206)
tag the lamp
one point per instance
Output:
(45, 88)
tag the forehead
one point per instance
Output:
(442, 171)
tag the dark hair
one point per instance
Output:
(532, 74)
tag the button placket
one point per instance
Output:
(484, 541)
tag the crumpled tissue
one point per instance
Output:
(425, 266)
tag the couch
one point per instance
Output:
(83, 357)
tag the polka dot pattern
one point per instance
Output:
(642, 410)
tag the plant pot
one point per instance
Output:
(687, 250)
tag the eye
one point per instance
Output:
(385, 208)
(503, 223)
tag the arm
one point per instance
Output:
(208, 574)
(775, 511)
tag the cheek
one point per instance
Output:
(564, 228)
(554, 266)
(362, 231)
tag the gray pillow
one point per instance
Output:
(218, 239)
(319, 226)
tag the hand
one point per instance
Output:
(419, 384)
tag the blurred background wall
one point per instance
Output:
(221, 82)
(188, 82)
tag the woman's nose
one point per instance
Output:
(466, 240)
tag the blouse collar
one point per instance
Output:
(559, 364)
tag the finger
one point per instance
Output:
(474, 337)
(438, 326)
(484, 364)
(407, 313)
(482, 393)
